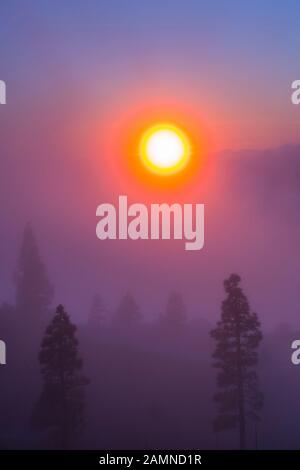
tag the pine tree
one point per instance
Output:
(97, 312)
(237, 336)
(61, 404)
(33, 299)
(175, 316)
(128, 315)
(34, 292)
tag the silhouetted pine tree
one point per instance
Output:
(34, 292)
(256, 401)
(237, 336)
(127, 315)
(33, 299)
(97, 312)
(61, 404)
(175, 315)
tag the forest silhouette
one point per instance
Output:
(119, 380)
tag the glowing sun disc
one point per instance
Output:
(164, 149)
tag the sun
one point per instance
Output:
(164, 149)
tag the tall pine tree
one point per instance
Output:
(237, 338)
(128, 315)
(34, 292)
(61, 404)
(33, 300)
(175, 315)
(97, 312)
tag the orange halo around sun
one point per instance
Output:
(164, 149)
(131, 134)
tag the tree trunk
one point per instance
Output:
(256, 436)
(242, 423)
(241, 398)
(64, 424)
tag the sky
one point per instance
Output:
(233, 62)
(82, 74)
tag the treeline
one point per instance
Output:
(119, 381)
